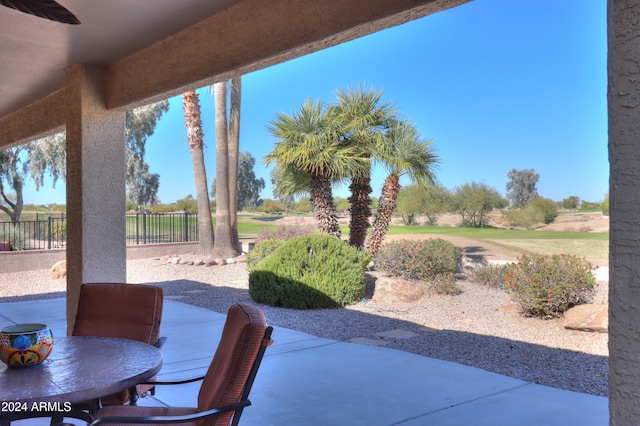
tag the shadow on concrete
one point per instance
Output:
(578, 371)
(565, 369)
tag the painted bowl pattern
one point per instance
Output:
(22, 345)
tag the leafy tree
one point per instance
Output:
(272, 206)
(187, 204)
(32, 160)
(521, 188)
(590, 205)
(547, 207)
(47, 156)
(405, 153)
(303, 205)
(474, 200)
(142, 186)
(249, 186)
(342, 204)
(605, 204)
(429, 200)
(195, 135)
(571, 203)
(140, 124)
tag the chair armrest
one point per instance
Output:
(160, 343)
(172, 419)
(172, 382)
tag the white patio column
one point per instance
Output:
(96, 243)
(624, 156)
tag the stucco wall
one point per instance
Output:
(17, 261)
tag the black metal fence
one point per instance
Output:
(50, 231)
(154, 228)
(45, 232)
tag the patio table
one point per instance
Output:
(78, 369)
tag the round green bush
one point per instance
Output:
(418, 260)
(261, 250)
(546, 286)
(310, 272)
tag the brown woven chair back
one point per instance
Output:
(128, 311)
(224, 383)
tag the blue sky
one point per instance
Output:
(498, 85)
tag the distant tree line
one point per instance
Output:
(523, 206)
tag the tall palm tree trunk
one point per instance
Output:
(360, 200)
(386, 207)
(223, 245)
(234, 150)
(322, 202)
(191, 106)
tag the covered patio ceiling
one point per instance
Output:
(160, 48)
(36, 52)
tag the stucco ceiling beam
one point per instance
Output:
(42, 118)
(250, 35)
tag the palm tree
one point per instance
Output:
(195, 135)
(224, 245)
(365, 118)
(405, 153)
(227, 152)
(310, 141)
(234, 153)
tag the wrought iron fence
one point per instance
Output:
(50, 231)
(154, 228)
(45, 232)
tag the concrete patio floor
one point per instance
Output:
(307, 380)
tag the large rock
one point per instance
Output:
(588, 317)
(59, 270)
(397, 291)
(468, 264)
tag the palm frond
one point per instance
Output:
(406, 153)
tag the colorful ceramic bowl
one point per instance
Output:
(22, 345)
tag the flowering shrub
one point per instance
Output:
(446, 284)
(418, 260)
(286, 232)
(547, 286)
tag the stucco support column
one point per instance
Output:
(624, 246)
(96, 243)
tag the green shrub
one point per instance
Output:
(418, 260)
(310, 272)
(547, 286)
(547, 207)
(490, 274)
(528, 217)
(446, 284)
(261, 250)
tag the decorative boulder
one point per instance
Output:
(589, 317)
(397, 291)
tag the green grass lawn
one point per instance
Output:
(593, 246)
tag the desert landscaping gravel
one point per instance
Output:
(472, 328)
